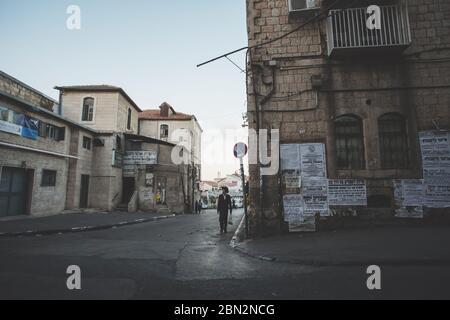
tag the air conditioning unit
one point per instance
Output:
(298, 6)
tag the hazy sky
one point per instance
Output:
(150, 48)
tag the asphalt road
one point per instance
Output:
(186, 258)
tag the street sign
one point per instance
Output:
(240, 150)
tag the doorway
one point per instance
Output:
(129, 186)
(84, 191)
(14, 190)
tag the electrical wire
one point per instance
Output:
(317, 18)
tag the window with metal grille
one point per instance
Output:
(349, 143)
(393, 139)
(88, 109)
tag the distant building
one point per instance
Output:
(182, 129)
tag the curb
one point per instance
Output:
(239, 234)
(32, 233)
(324, 263)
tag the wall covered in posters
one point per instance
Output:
(435, 148)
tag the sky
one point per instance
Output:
(149, 48)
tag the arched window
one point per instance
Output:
(349, 142)
(129, 120)
(393, 141)
(88, 109)
(164, 131)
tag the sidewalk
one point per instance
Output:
(68, 223)
(391, 245)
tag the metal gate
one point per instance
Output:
(13, 191)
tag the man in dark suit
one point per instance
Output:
(223, 204)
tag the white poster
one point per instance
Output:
(435, 147)
(409, 193)
(312, 159)
(290, 157)
(140, 157)
(10, 128)
(315, 196)
(293, 208)
(437, 192)
(347, 192)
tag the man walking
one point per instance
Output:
(223, 204)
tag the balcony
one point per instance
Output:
(348, 33)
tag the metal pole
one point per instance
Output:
(245, 197)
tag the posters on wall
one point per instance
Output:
(347, 192)
(315, 196)
(304, 184)
(312, 160)
(435, 148)
(409, 197)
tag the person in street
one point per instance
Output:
(223, 205)
(200, 207)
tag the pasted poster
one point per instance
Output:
(315, 196)
(290, 157)
(435, 147)
(293, 207)
(312, 160)
(409, 193)
(409, 198)
(291, 182)
(347, 192)
(437, 192)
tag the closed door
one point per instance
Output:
(13, 192)
(84, 191)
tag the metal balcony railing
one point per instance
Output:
(347, 29)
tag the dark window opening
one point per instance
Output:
(129, 120)
(48, 178)
(349, 143)
(88, 109)
(164, 131)
(393, 139)
(87, 143)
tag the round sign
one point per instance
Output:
(240, 150)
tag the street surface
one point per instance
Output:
(186, 258)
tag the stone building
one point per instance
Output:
(37, 148)
(81, 152)
(182, 129)
(320, 76)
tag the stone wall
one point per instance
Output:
(414, 84)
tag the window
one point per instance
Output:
(49, 131)
(88, 109)
(129, 120)
(393, 141)
(87, 143)
(48, 178)
(349, 142)
(164, 131)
